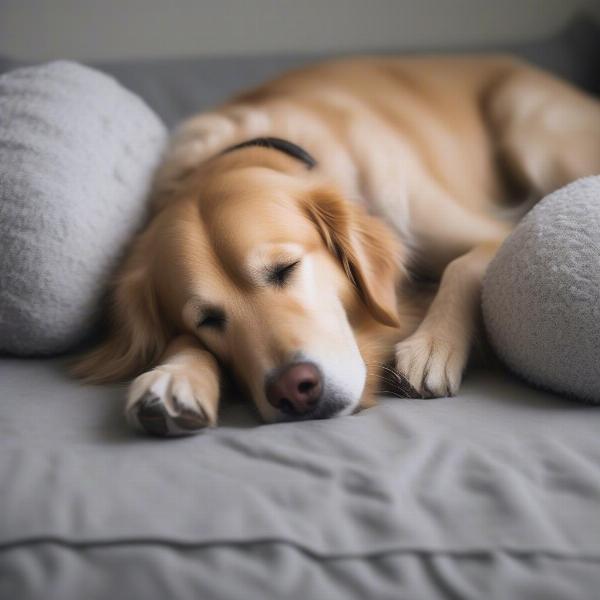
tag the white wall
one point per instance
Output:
(106, 29)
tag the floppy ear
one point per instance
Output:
(369, 252)
(137, 336)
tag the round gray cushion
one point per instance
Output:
(541, 293)
(77, 152)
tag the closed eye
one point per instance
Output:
(213, 319)
(279, 274)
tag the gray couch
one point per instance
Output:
(491, 494)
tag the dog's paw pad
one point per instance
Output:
(189, 419)
(151, 415)
(430, 367)
(404, 388)
(164, 404)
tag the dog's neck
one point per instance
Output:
(280, 145)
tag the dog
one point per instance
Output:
(291, 226)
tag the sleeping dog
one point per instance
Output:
(290, 224)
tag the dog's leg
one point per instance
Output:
(180, 396)
(447, 241)
(433, 358)
(548, 131)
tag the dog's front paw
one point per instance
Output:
(430, 365)
(168, 401)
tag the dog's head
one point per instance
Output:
(276, 275)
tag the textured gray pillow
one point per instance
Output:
(77, 151)
(541, 294)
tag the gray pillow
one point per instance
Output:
(77, 152)
(541, 293)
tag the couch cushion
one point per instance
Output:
(524, 466)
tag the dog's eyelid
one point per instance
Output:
(213, 318)
(278, 273)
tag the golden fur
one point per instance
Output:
(437, 148)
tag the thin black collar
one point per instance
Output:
(288, 148)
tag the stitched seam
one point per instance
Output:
(191, 545)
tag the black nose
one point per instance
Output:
(296, 390)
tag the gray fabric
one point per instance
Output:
(541, 291)
(501, 476)
(276, 571)
(77, 152)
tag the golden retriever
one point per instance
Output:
(288, 226)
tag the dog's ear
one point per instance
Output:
(136, 335)
(368, 251)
